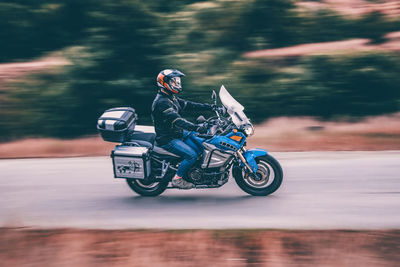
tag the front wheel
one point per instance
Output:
(148, 189)
(266, 181)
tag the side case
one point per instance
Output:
(131, 162)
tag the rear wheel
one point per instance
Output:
(147, 188)
(266, 181)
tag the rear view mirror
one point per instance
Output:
(214, 97)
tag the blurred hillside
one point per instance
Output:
(63, 62)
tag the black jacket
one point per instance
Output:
(166, 116)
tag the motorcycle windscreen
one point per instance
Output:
(234, 108)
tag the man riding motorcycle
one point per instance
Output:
(172, 131)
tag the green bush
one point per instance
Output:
(325, 86)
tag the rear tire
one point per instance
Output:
(268, 180)
(147, 189)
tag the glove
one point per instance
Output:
(220, 110)
(202, 128)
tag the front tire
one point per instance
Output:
(148, 189)
(268, 178)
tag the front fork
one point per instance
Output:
(244, 161)
(248, 159)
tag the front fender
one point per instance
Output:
(252, 154)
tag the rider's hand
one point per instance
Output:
(202, 128)
(220, 110)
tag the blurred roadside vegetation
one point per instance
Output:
(116, 49)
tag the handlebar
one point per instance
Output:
(220, 124)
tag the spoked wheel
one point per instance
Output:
(147, 188)
(266, 181)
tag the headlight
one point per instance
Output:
(248, 129)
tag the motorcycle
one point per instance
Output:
(149, 169)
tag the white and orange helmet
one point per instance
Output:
(170, 80)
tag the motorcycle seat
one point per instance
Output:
(161, 151)
(148, 140)
(145, 139)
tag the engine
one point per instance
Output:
(195, 175)
(211, 178)
(213, 170)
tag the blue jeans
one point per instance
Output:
(189, 147)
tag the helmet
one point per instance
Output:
(169, 80)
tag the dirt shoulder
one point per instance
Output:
(308, 134)
(279, 134)
(49, 147)
(70, 247)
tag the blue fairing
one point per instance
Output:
(252, 154)
(226, 143)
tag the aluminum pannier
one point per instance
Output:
(131, 162)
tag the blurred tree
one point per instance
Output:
(116, 64)
(325, 86)
(273, 20)
(30, 28)
(123, 44)
(359, 85)
(117, 48)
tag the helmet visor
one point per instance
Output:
(175, 83)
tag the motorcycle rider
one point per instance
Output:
(172, 131)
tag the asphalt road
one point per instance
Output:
(321, 190)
